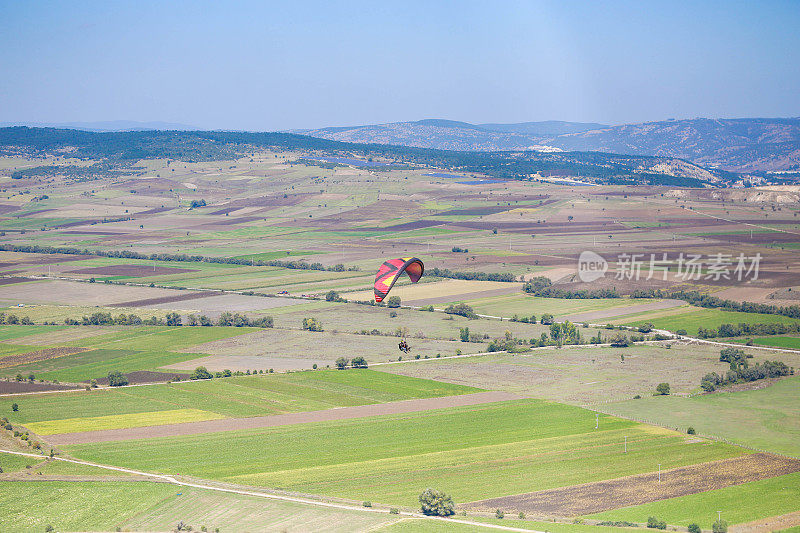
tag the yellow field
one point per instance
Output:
(132, 420)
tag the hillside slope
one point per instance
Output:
(740, 145)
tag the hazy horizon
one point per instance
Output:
(266, 67)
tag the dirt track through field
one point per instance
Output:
(643, 488)
(234, 424)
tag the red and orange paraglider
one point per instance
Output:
(391, 270)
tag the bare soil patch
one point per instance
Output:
(643, 488)
(167, 299)
(130, 270)
(148, 376)
(235, 424)
(39, 355)
(765, 525)
(89, 232)
(12, 280)
(153, 211)
(15, 387)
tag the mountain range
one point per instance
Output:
(748, 145)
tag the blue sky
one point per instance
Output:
(281, 65)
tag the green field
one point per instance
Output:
(778, 342)
(230, 397)
(89, 506)
(133, 348)
(691, 320)
(767, 419)
(473, 453)
(768, 497)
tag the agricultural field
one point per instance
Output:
(269, 235)
(691, 319)
(401, 458)
(766, 418)
(588, 376)
(242, 396)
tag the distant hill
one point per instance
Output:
(107, 125)
(740, 145)
(118, 152)
(453, 135)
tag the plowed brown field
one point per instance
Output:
(643, 488)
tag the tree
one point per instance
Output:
(655, 523)
(117, 379)
(461, 310)
(205, 321)
(225, 319)
(312, 324)
(173, 319)
(499, 514)
(393, 301)
(332, 296)
(464, 333)
(15, 407)
(201, 372)
(735, 357)
(192, 320)
(620, 341)
(720, 526)
(546, 319)
(358, 362)
(663, 389)
(694, 528)
(436, 503)
(342, 363)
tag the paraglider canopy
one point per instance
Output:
(392, 269)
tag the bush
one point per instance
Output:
(358, 362)
(367, 504)
(393, 302)
(342, 363)
(461, 310)
(394, 510)
(621, 341)
(117, 379)
(655, 523)
(720, 526)
(690, 431)
(694, 528)
(312, 324)
(15, 407)
(546, 319)
(681, 332)
(663, 389)
(499, 514)
(201, 372)
(436, 503)
(333, 296)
